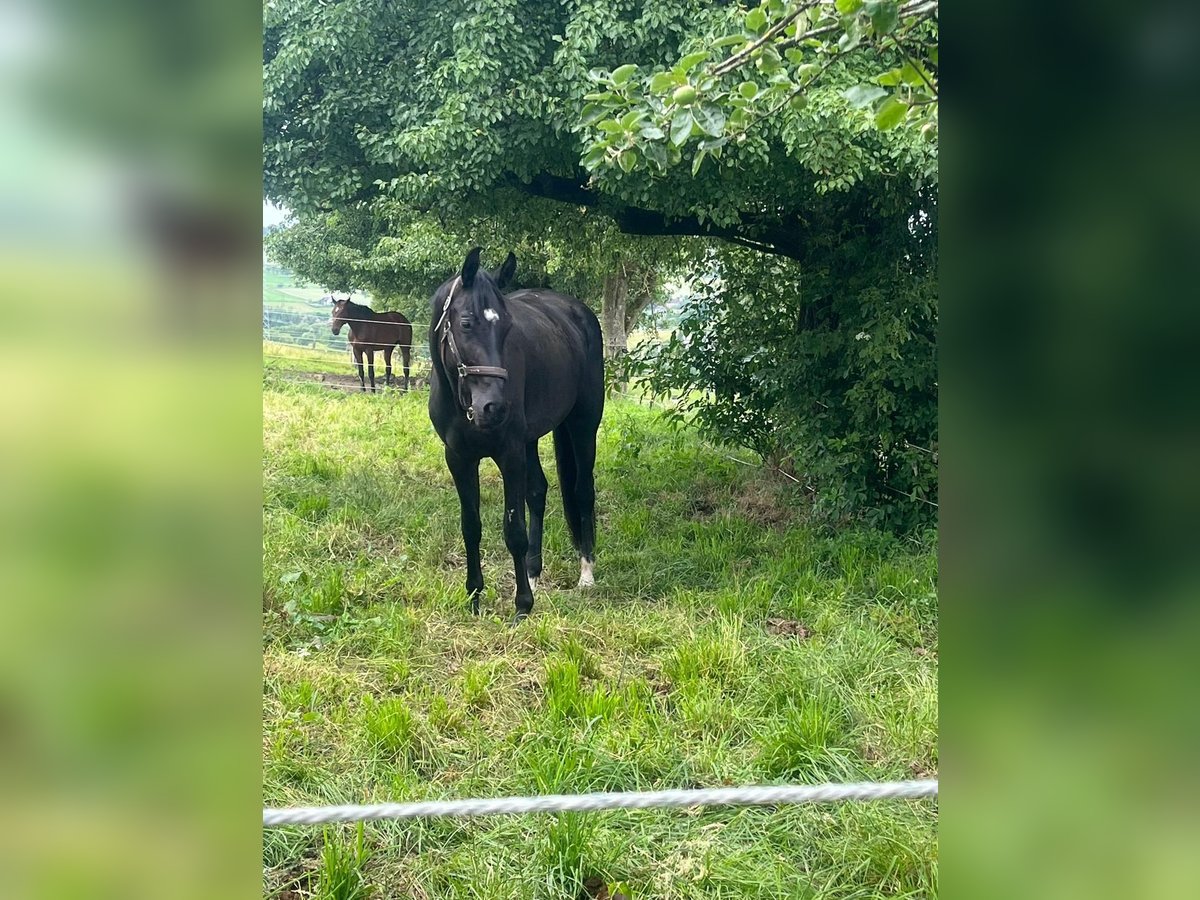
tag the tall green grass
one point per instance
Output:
(679, 669)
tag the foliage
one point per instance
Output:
(443, 111)
(840, 388)
(780, 53)
(677, 669)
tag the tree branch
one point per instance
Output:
(742, 55)
(918, 9)
(776, 239)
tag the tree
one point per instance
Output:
(439, 110)
(477, 112)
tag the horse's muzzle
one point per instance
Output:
(489, 415)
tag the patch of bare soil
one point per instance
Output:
(764, 504)
(350, 382)
(788, 628)
(701, 507)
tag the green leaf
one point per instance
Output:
(890, 114)
(627, 160)
(698, 161)
(807, 72)
(713, 143)
(748, 89)
(710, 118)
(592, 113)
(795, 57)
(884, 16)
(846, 7)
(592, 158)
(851, 38)
(623, 73)
(598, 74)
(611, 126)
(657, 154)
(911, 75)
(859, 96)
(756, 21)
(631, 118)
(889, 79)
(681, 126)
(662, 82)
(652, 132)
(690, 61)
(769, 61)
(728, 41)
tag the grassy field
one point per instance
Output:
(726, 642)
(279, 357)
(281, 288)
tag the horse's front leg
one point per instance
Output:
(371, 368)
(358, 362)
(514, 471)
(465, 473)
(387, 361)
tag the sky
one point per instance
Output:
(272, 215)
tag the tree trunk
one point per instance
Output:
(612, 314)
(640, 297)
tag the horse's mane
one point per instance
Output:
(358, 309)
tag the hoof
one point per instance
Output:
(519, 618)
(586, 578)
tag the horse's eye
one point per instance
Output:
(466, 322)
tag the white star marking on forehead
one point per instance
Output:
(491, 315)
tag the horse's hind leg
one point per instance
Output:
(387, 361)
(535, 496)
(564, 460)
(583, 442)
(405, 354)
(371, 368)
(514, 470)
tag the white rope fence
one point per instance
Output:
(771, 795)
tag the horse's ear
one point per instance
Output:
(471, 267)
(506, 271)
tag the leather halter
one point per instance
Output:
(463, 370)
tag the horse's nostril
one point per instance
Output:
(494, 409)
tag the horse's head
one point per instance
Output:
(472, 321)
(340, 314)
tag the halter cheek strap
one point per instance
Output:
(463, 370)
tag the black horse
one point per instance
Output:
(507, 370)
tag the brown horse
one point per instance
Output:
(371, 331)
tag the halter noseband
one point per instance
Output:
(462, 369)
